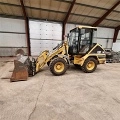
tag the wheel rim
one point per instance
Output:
(90, 65)
(59, 67)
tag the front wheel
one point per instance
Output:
(48, 63)
(58, 66)
(89, 65)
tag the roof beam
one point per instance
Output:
(11, 16)
(118, 27)
(61, 12)
(26, 26)
(101, 8)
(66, 18)
(116, 33)
(23, 9)
(69, 11)
(105, 15)
(66, 13)
(86, 5)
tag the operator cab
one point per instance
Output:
(80, 37)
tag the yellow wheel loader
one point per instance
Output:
(79, 49)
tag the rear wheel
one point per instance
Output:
(58, 66)
(89, 65)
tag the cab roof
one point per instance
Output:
(87, 27)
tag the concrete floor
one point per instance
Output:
(73, 96)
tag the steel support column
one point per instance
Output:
(26, 27)
(63, 31)
(66, 18)
(116, 33)
(105, 15)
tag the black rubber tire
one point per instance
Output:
(77, 66)
(48, 63)
(53, 62)
(84, 68)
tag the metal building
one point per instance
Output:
(41, 24)
(32, 26)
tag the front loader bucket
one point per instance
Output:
(20, 72)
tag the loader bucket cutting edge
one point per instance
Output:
(20, 72)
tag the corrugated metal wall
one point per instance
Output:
(104, 35)
(12, 36)
(44, 36)
(116, 46)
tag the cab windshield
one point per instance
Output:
(78, 38)
(74, 39)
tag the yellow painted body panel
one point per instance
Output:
(44, 57)
(78, 59)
